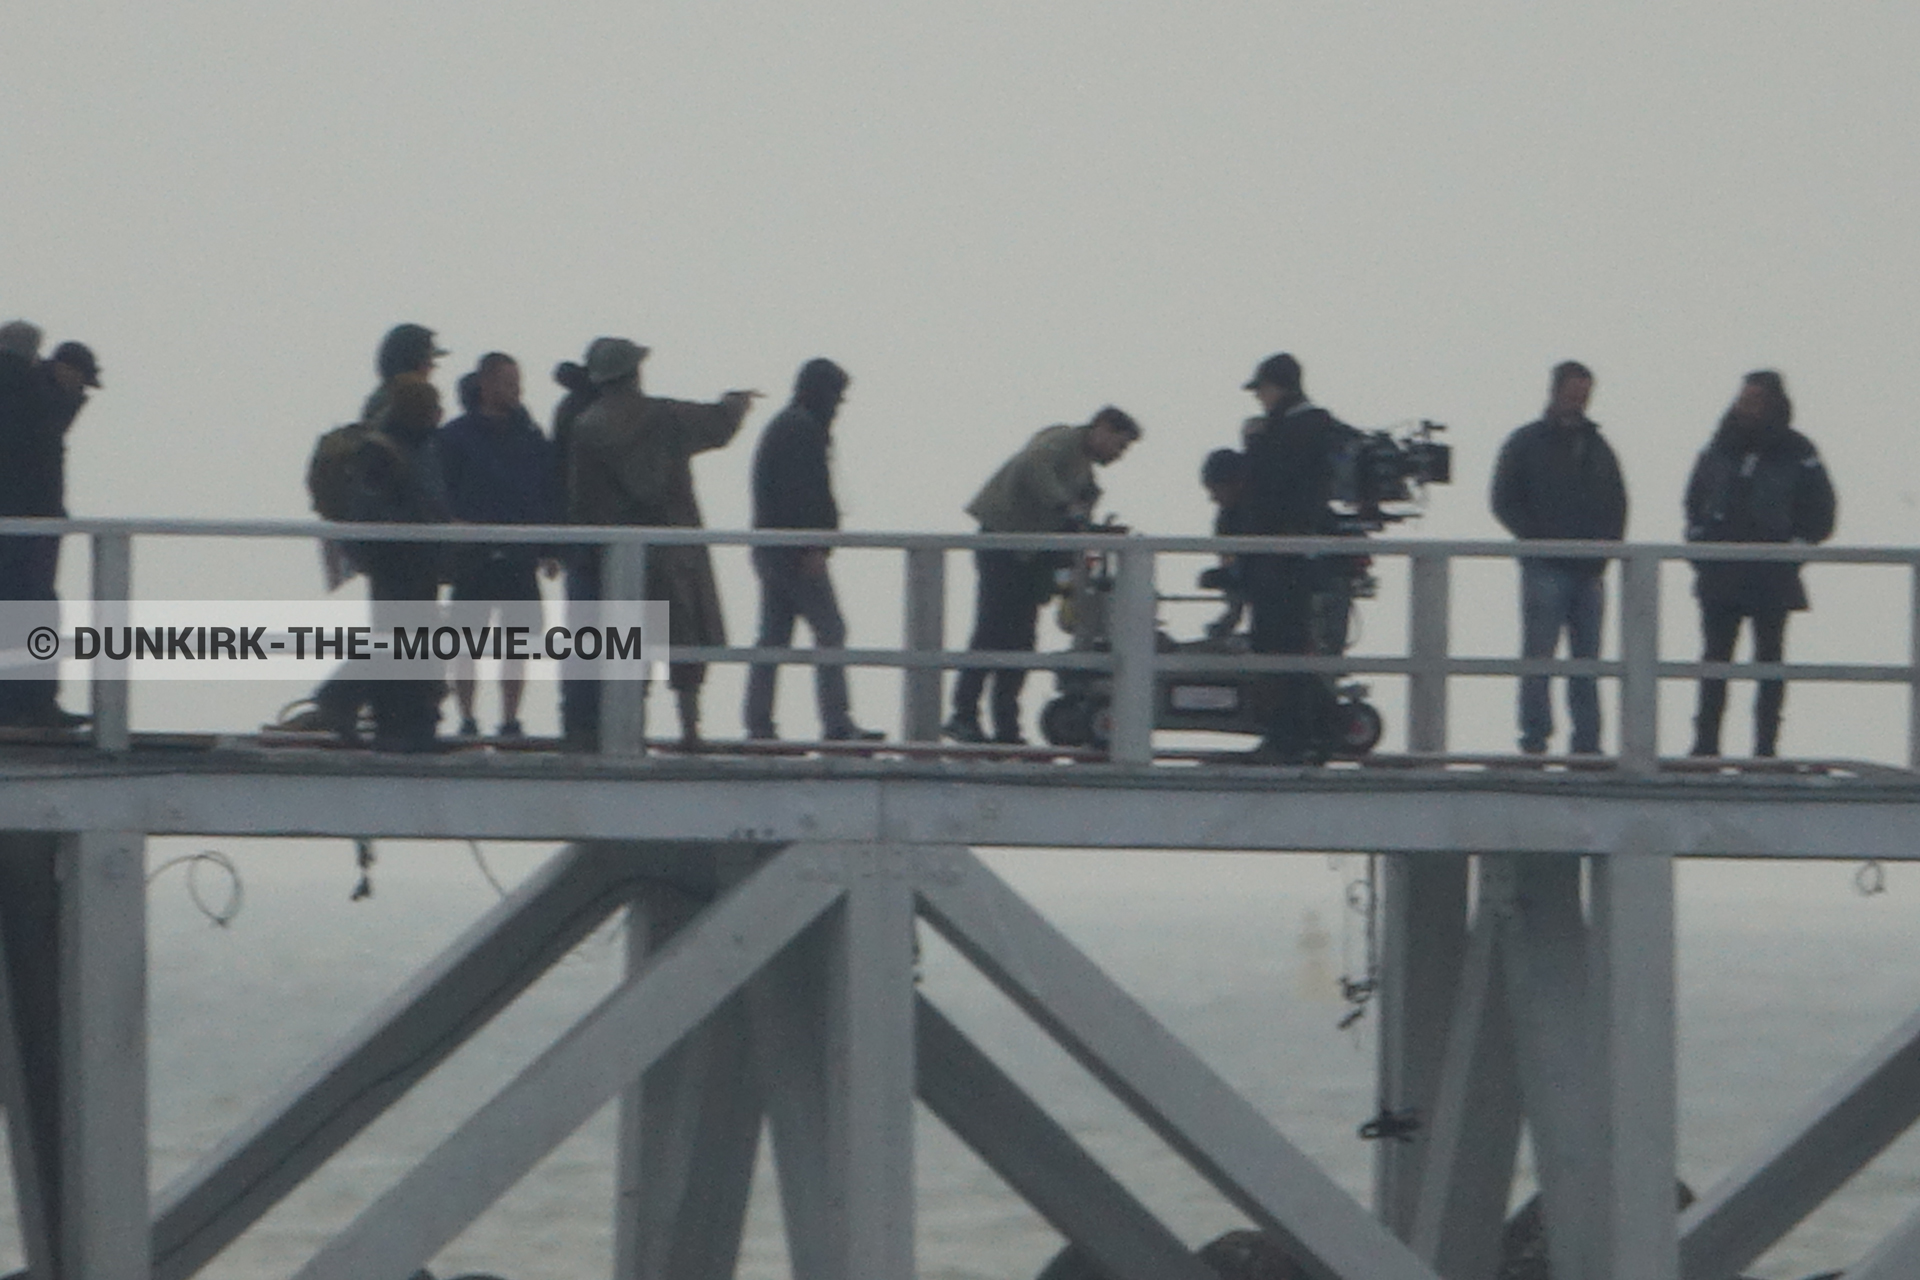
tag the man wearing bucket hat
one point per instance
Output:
(630, 463)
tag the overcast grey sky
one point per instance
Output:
(997, 215)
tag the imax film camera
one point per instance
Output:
(1380, 477)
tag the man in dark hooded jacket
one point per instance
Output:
(39, 401)
(1758, 480)
(793, 489)
(1557, 478)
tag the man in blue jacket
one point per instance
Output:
(499, 468)
(1557, 478)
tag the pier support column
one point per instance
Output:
(689, 1131)
(30, 1040)
(1632, 967)
(104, 1220)
(1423, 916)
(1549, 993)
(870, 1063)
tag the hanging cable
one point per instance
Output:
(1363, 898)
(223, 915)
(363, 859)
(480, 861)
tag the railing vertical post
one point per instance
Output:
(112, 588)
(623, 703)
(1913, 685)
(926, 632)
(1428, 624)
(1640, 660)
(1133, 660)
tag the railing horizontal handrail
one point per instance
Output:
(1259, 663)
(1497, 549)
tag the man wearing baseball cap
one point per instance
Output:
(1291, 452)
(43, 403)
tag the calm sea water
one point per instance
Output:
(1786, 974)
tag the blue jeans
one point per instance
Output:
(1556, 598)
(788, 593)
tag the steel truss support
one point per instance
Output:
(1423, 921)
(29, 1042)
(1591, 1008)
(492, 963)
(1632, 973)
(1225, 1139)
(678, 988)
(73, 1056)
(787, 1004)
(689, 1130)
(1856, 1118)
(1473, 1132)
(790, 996)
(1042, 1162)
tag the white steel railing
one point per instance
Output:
(1131, 660)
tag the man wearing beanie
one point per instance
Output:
(793, 489)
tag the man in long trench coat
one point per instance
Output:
(630, 463)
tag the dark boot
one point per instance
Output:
(1766, 718)
(688, 702)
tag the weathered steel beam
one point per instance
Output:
(1010, 804)
(104, 1218)
(787, 1004)
(601, 1055)
(1041, 1161)
(870, 1061)
(503, 953)
(1632, 973)
(1196, 1112)
(1853, 1120)
(1545, 949)
(29, 1024)
(1423, 942)
(1473, 1133)
(688, 1133)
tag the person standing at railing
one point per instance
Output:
(1758, 480)
(38, 403)
(394, 477)
(1047, 487)
(1291, 456)
(1558, 478)
(793, 489)
(1223, 474)
(499, 469)
(579, 695)
(632, 463)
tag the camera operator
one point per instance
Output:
(1292, 454)
(1047, 487)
